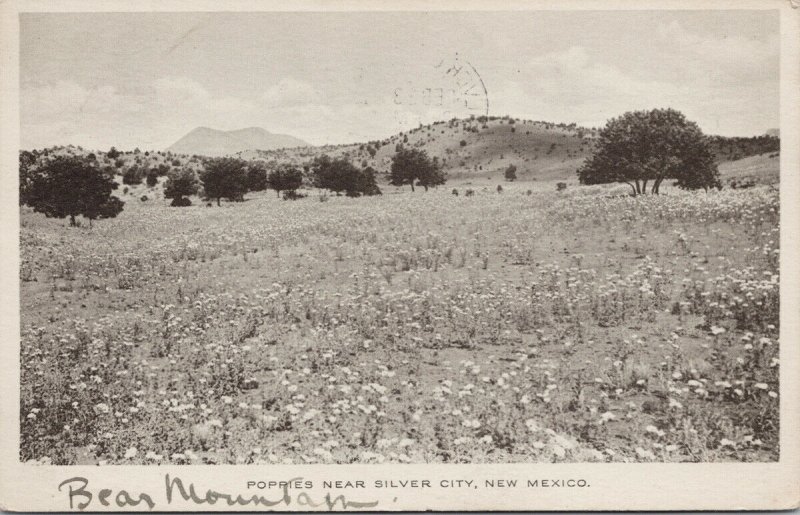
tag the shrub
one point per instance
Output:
(511, 173)
(182, 202)
(132, 175)
(293, 195)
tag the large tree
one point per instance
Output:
(257, 176)
(69, 186)
(413, 166)
(224, 177)
(285, 177)
(340, 175)
(181, 183)
(643, 146)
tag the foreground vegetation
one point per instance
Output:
(583, 325)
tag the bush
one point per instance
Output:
(511, 173)
(132, 175)
(152, 178)
(293, 195)
(181, 202)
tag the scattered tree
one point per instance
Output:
(152, 177)
(224, 177)
(181, 183)
(413, 166)
(257, 177)
(643, 146)
(511, 173)
(340, 175)
(68, 186)
(285, 178)
(132, 175)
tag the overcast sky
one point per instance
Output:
(141, 79)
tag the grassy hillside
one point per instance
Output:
(470, 149)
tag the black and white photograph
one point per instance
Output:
(398, 237)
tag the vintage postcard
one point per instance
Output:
(410, 255)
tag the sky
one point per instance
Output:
(146, 79)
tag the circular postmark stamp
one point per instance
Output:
(454, 89)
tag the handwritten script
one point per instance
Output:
(82, 497)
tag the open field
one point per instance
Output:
(514, 327)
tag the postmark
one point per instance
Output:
(456, 90)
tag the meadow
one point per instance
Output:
(522, 326)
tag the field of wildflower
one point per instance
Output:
(504, 327)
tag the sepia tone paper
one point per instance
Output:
(575, 407)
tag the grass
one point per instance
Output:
(427, 327)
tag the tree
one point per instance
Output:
(132, 175)
(257, 177)
(181, 183)
(113, 153)
(152, 177)
(224, 177)
(68, 186)
(413, 166)
(340, 175)
(511, 173)
(285, 178)
(27, 165)
(643, 146)
(331, 174)
(368, 184)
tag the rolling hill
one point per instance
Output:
(485, 147)
(212, 142)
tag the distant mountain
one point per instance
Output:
(211, 142)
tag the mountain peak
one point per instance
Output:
(213, 142)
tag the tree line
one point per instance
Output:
(79, 185)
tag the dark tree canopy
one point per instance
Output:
(643, 146)
(413, 166)
(511, 173)
(68, 186)
(285, 178)
(133, 175)
(257, 176)
(27, 166)
(340, 175)
(224, 177)
(180, 183)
